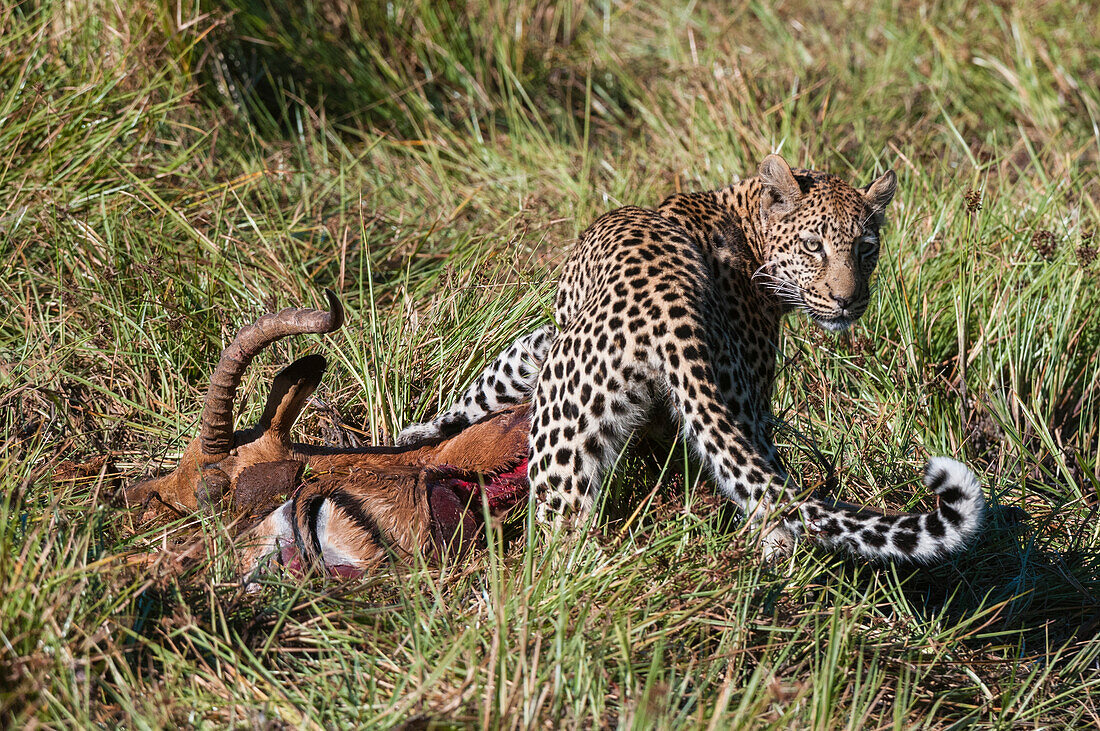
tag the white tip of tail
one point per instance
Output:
(943, 473)
(962, 506)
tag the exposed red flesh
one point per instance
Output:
(503, 490)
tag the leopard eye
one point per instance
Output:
(811, 244)
(868, 247)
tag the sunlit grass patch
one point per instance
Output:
(171, 172)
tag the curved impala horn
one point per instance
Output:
(217, 410)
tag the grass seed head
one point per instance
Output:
(973, 200)
(1086, 252)
(1045, 243)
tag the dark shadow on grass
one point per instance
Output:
(1020, 582)
(404, 68)
(1047, 597)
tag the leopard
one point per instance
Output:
(673, 315)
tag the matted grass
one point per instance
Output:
(171, 172)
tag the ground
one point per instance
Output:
(169, 172)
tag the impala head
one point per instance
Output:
(821, 240)
(214, 460)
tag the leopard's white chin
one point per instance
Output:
(834, 324)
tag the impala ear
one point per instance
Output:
(781, 192)
(879, 193)
(290, 389)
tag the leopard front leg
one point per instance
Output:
(589, 400)
(730, 432)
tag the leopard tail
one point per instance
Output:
(906, 537)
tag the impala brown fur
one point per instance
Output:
(349, 509)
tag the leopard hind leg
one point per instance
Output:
(508, 380)
(586, 408)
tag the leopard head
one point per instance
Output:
(820, 240)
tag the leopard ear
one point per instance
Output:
(879, 193)
(781, 193)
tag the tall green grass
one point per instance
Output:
(171, 172)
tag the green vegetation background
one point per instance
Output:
(171, 171)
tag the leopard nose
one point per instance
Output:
(841, 302)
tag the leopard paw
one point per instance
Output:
(418, 433)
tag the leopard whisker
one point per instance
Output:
(784, 289)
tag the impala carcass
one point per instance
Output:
(349, 508)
